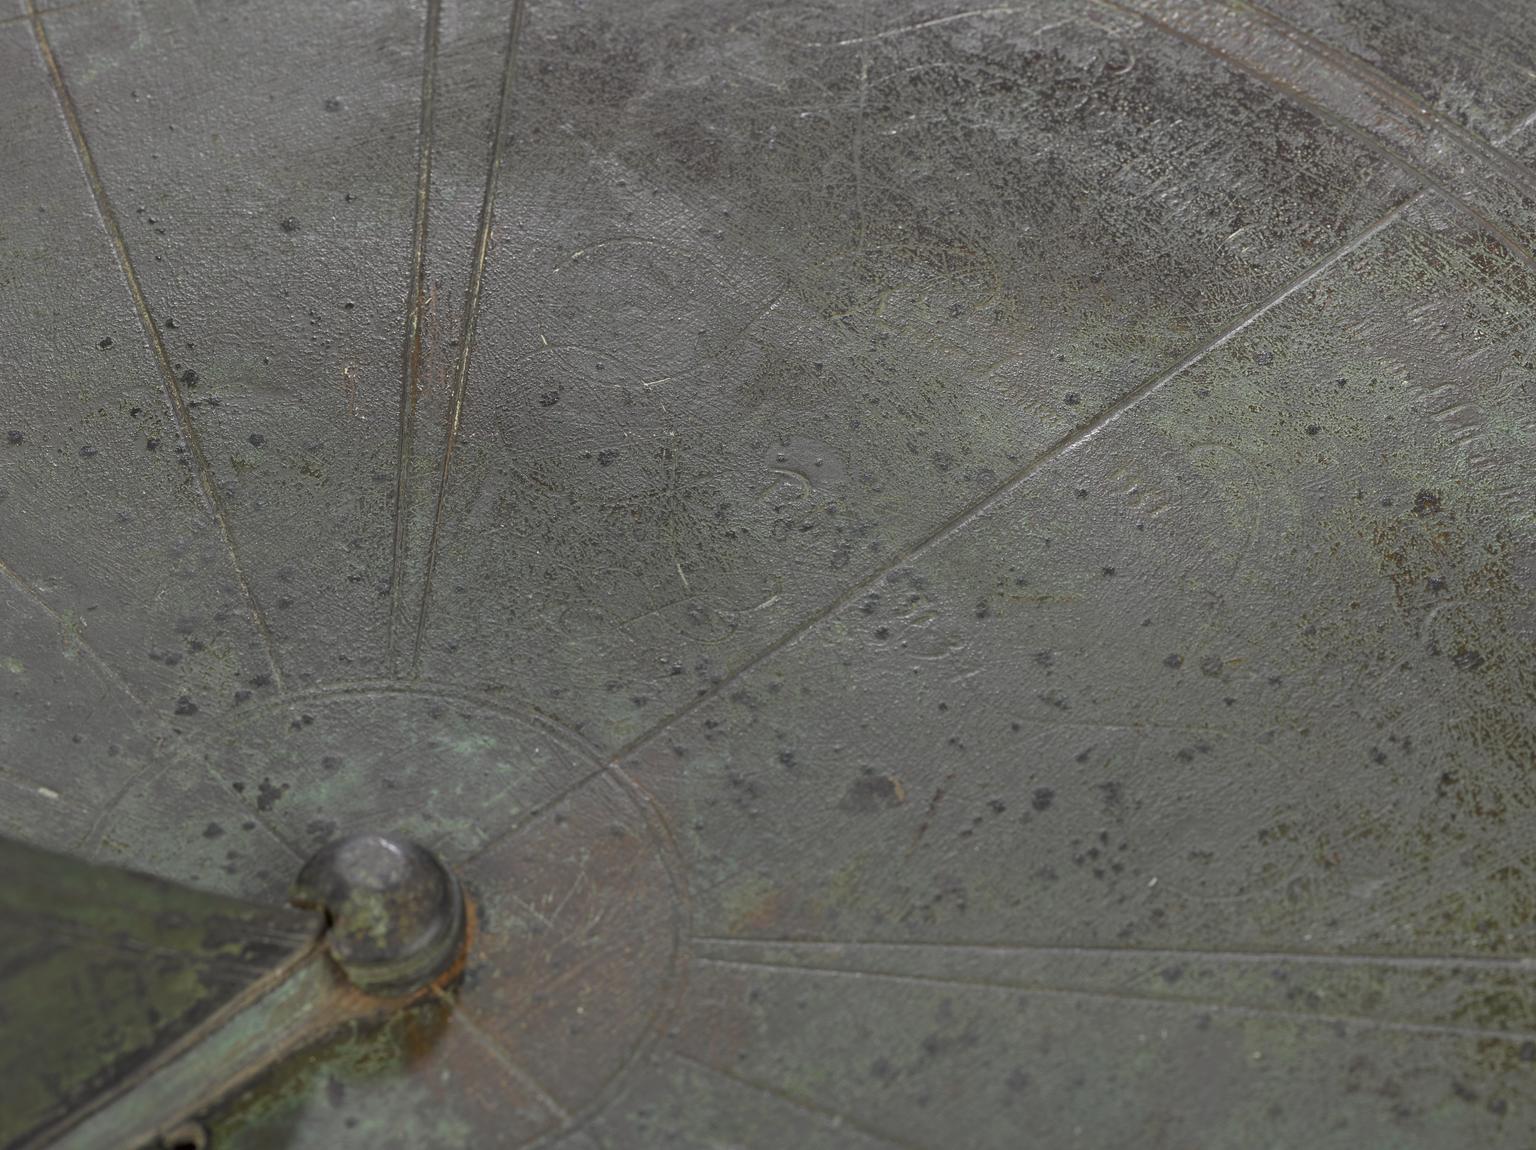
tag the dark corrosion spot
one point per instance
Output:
(1468, 660)
(870, 793)
(267, 794)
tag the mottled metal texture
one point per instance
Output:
(163, 1107)
(104, 973)
(943, 574)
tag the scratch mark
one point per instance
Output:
(825, 1113)
(410, 368)
(858, 147)
(471, 311)
(349, 376)
(173, 393)
(714, 357)
(578, 883)
(933, 808)
(33, 596)
(908, 29)
(532, 911)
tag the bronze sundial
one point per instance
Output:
(935, 575)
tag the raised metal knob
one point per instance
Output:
(396, 914)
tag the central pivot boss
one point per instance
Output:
(396, 913)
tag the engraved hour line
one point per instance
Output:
(1394, 157)
(1432, 1029)
(410, 367)
(523, 819)
(1073, 439)
(471, 309)
(35, 597)
(91, 840)
(825, 1113)
(172, 386)
(726, 943)
(503, 1058)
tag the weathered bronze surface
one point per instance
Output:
(942, 574)
(132, 1006)
(104, 974)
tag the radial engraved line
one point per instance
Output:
(32, 595)
(172, 386)
(1444, 1030)
(88, 845)
(1260, 957)
(520, 823)
(1073, 439)
(471, 308)
(410, 366)
(825, 1113)
(497, 1051)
